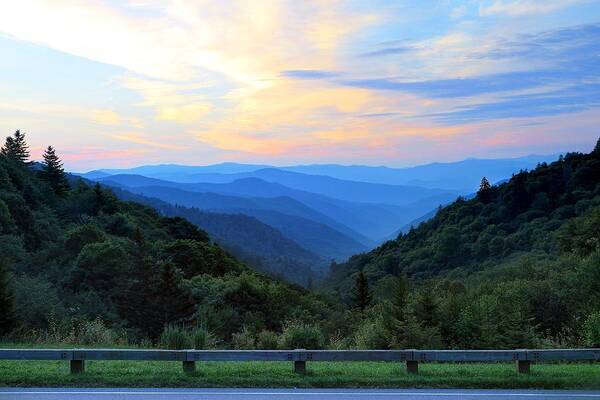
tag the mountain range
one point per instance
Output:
(322, 212)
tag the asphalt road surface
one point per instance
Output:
(288, 394)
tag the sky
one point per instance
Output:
(119, 83)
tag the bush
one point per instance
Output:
(243, 340)
(266, 340)
(96, 333)
(175, 338)
(300, 335)
(74, 331)
(371, 335)
(202, 339)
(591, 330)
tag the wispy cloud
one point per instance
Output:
(293, 80)
(525, 7)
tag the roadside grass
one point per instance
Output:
(279, 374)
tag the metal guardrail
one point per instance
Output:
(412, 358)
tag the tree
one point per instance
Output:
(400, 294)
(6, 301)
(361, 294)
(155, 299)
(426, 308)
(597, 148)
(15, 148)
(53, 172)
(485, 190)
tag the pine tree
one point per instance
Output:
(485, 190)
(400, 294)
(155, 299)
(6, 301)
(15, 148)
(53, 172)
(361, 294)
(597, 148)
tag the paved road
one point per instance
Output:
(288, 394)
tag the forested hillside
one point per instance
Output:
(250, 240)
(75, 253)
(518, 265)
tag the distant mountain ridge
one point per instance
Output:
(367, 221)
(460, 175)
(304, 227)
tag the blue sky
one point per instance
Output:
(122, 83)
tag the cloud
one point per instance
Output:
(175, 102)
(105, 117)
(446, 88)
(388, 51)
(308, 74)
(138, 138)
(567, 100)
(525, 7)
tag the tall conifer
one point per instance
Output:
(15, 148)
(53, 172)
(361, 294)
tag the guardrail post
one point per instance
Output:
(77, 366)
(300, 361)
(189, 367)
(300, 367)
(523, 366)
(412, 366)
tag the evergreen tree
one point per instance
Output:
(53, 172)
(155, 299)
(399, 298)
(361, 294)
(15, 148)
(6, 301)
(597, 148)
(426, 308)
(485, 190)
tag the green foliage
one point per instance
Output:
(244, 340)
(81, 254)
(81, 235)
(301, 335)
(267, 340)
(202, 339)
(155, 298)
(361, 294)
(484, 194)
(371, 335)
(36, 300)
(591, 330)
(53, 172)
(15, 148)
(175, 337)
(516, 266)
(6, 301)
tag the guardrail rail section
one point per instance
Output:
(523, 358)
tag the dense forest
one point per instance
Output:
(516, 266)
(74, 257)
(247, 238)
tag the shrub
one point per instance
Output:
(96, 333)
(202, 339)
(175, 338)
(243, 340)
(300, 335)
(371, 335)
(266, 340)
(591, 330)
